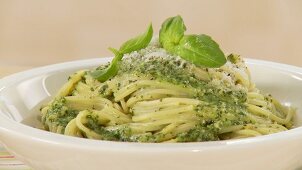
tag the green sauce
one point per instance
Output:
(59, 114)
(223, 106)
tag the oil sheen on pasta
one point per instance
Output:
(156, 97)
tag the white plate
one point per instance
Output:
(21, 95)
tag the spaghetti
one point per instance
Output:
(157, 97)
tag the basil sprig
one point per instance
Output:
(171, 32)
(133, 44)
(201, 50)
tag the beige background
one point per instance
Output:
(35, 32)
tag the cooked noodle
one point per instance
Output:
(156, 97)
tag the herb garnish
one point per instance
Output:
(134, 44)
(201, 50)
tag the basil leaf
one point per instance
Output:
(133, 44)
(198, 49)
(201, 50)
(103, 75)
(171, 32)
(138, 42)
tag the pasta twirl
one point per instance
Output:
(157, 97)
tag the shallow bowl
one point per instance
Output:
(21, 96)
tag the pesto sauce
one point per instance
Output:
(223, 106)
(174, 71)
(199, 133)
(121, 134)
(59, 114)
